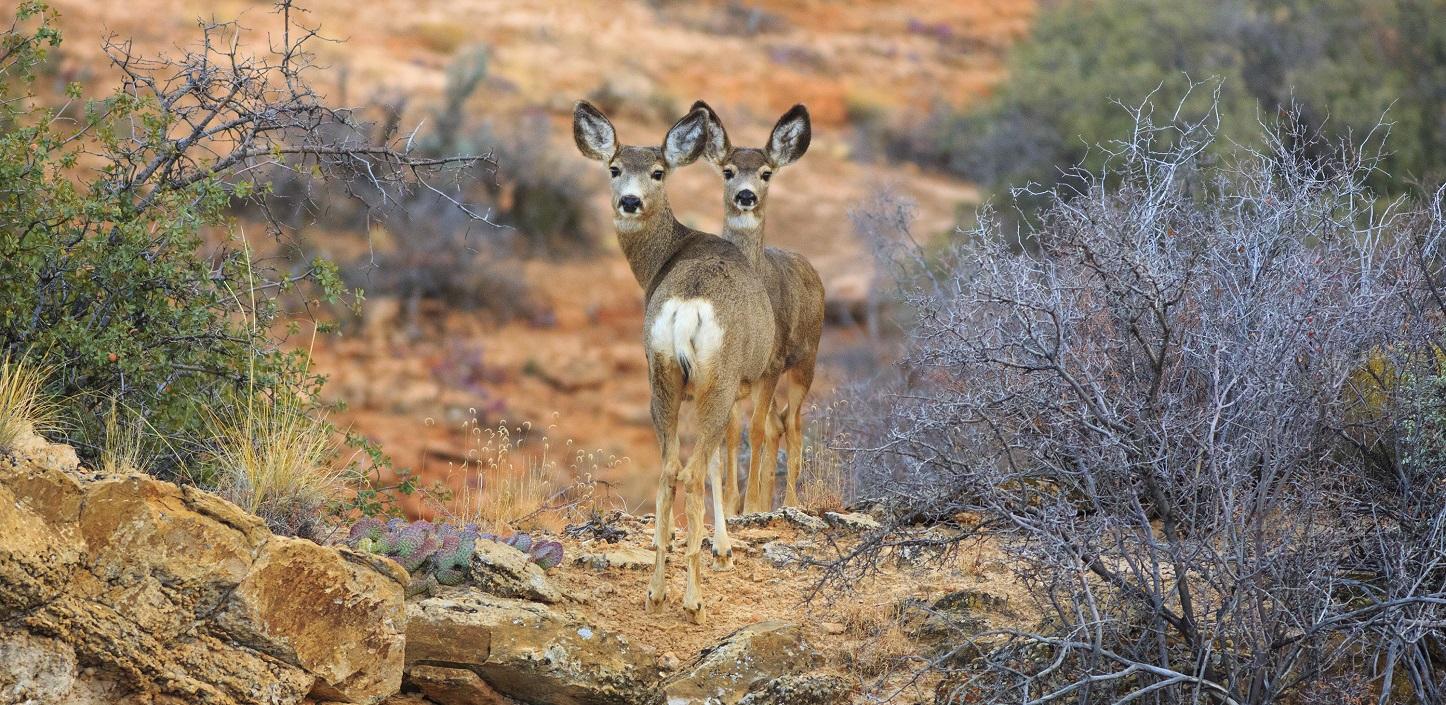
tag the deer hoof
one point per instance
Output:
(652, 604)
(723, 561)
(696, 613)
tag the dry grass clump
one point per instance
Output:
(274, 460)
(824, 482)
(23, 407)
(513, 478)
(880, 626)
(123, 450)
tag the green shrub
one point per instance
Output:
(104, 275)
(120, 268)
(1343, 63)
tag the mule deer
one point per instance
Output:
(707, 327)
(795, 293)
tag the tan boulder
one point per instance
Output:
(178, 596)
(529, 651)
(341, 621)
(505, 571)
(619, 558)
(744, 661)
(454, 686)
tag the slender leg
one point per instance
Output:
(768, 478)
(722, 546)
(713, 404)
(730, 473)
(759, 463)
(665, 423)
(793, 426)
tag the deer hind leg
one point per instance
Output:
(713, 409)
(730, 459)
(793, 425)
(759, 463)
(722, 546)
(665, 423)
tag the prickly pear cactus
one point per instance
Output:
(546, 554)
(439, 554)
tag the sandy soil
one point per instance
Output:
(869, 632)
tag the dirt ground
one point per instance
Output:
(875, 631)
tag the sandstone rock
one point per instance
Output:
(174, 595)
(454, 686)
(619, 557)
(831, 628)
(43, 670)
(781, 554)
(810, 689)
(744, 661)
(529, 651)
(853, 521)
(304, 604)
(505, 571)
(786, 515)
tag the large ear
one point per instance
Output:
(717, 147)
(684, 143)
(790, 137)
(595, 136)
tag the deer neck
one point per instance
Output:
(745, 230)
(649, 243)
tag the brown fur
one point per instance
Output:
(675, 263)
(795, 294)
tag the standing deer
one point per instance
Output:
(707, 326)
(795, 293)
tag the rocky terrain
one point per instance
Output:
(127, 589)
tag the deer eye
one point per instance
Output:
(766, 175)
(657, 175)
(616, 172)
(727, 173)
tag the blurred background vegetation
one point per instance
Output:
(1347, 65)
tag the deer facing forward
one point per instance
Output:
(707, 328)
(795, 294)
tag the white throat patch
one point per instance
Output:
(747, 220)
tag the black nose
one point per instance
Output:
(630, 204)
(746, 198)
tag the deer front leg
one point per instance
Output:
(793, 426)
(772, 431)
(760, 464)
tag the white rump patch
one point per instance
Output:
(687, 332)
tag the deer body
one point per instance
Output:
(708, 327)
(796, 297)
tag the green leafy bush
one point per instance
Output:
(1344, 63)
(119, 266)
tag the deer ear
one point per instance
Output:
(595, 136)
(790, 137)
(684, 143)
(717, 147)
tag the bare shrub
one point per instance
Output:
(1188, 411)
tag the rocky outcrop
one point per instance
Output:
(783, 516)
(454, 686)
(746, 661)
(505, 571)
(619, 558)
(529, 650)
(136, 588)
(807, 689)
